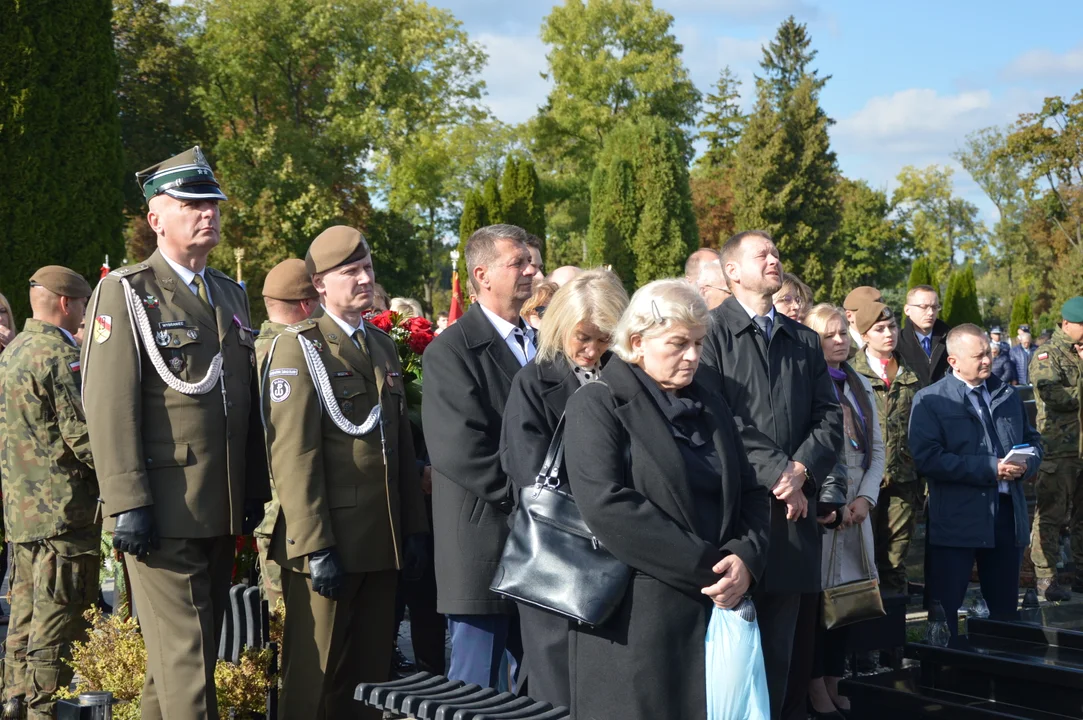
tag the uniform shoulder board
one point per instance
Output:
(219, 275)
(129, 270)
(300, 327)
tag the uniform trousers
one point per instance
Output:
(181, 594)
(894, 520)
(1058, 491)
(54, 582)
(948, 571)
(329, 646)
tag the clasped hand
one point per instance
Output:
(1010, 470)
(788, 489)
(734, 583)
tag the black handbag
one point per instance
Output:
(551, 559)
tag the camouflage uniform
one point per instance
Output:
(1055, 374)
(50, 512)
(895, 515)
(269, 570)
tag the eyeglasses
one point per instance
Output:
(719, 289)
(790, 300)
(925, 308)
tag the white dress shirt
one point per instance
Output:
(187, 276)
(510, 333)
(346, 327)
(1002, 485)
(752, 314)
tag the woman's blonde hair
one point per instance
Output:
(407, 307)
(819, 316)
(595, 296)
(7, 306)
(543, 295)
(655, 308)
(795, 286)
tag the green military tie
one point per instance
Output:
(359, 339)
(201, 290)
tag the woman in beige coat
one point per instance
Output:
(851, 539)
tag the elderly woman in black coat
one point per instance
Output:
(574, 348)
(661, 478)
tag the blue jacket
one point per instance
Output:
(1004, 368)
(950, 448)
(1021, 359)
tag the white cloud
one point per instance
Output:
(1044, 64)
(513, 75)
(916, 120)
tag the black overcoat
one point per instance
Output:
(929, 368)
(786, 409)
(538, 398)
(647, 661)
(468, 373)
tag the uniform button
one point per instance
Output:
(290, 541)
(150, 461)
(229, 403)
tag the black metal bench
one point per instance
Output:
(425, 696)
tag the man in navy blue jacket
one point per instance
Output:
(961, 429)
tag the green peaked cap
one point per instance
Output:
(187, 176)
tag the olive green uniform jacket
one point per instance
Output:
(1055, 374)
(195, 458)
(893, 403)
(335, 489)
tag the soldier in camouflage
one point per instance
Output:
(894, 384)
(1055, 373)
(50, 495)
(290, 297)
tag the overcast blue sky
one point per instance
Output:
(910, 78)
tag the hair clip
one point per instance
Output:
(657, 315)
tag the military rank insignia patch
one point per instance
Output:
(162, 338)
(280, 389)
(103, 328)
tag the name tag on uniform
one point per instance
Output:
(171, 325)
(282, 371)
(343, 373)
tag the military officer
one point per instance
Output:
(50, 495)
(169, 383)
(289, 297)
(1055, 373)
(342, 460)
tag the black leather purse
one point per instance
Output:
(551, 559)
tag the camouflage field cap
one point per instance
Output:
(187, 176)
(61, 281)
(289, 280)
(338, 245)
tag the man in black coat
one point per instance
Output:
(468, 373)
(922, 342)
(776, 382)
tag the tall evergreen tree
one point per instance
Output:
(785, 183)
(722, 122)
(520, 196)
(641, 219)
(61, 200)
(920, 273)
(961, 299)
(870, 243)
(490, 200)
(1021, 313)
(786, 62)
(474, 216)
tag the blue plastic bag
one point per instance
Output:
(736, 679)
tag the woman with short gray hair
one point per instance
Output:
(573, 350)
(662, 480)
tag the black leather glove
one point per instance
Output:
(253, 516)
(135, 533)
(327, 574)
(416, 556)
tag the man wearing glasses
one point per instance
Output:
(922, 343)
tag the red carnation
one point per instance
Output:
(384, 321)
(417, 324)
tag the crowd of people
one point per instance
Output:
(724, 438)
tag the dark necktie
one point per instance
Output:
(359, 339)
(201, 290)
(765, 324)
(927, 346)
(987, 420)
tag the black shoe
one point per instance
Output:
(400, 664)
(14, 708)
(1051, 591)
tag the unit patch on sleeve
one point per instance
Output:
(280, 389)
(103, 328)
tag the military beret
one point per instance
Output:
(869, 314)
(187, 176)
(335, 246)
(1072, 310)
(62, 281)
(860, 296)
(289, 280)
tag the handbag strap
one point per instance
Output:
(864, 555)
(549, 475)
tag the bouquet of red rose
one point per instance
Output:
(411, 335)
